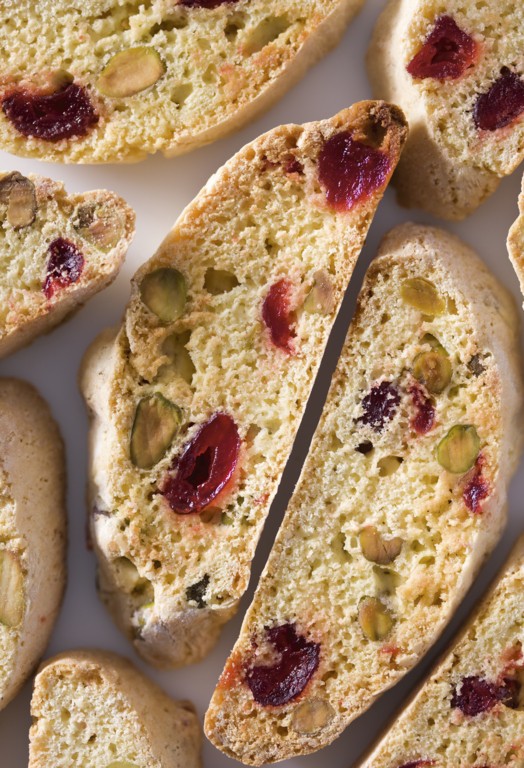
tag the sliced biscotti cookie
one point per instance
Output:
(470, 712)
(93, 709)
(107, 81)
(516, 242)
(32, 531)
(456, 68)
(197, 400)
(401, 497)
(56, 251)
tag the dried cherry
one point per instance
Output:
(380, 405)
(477, 488)
(51, 116)
(278, 317)
(205, 467)
(424, 418)
(475, 695)
(417, 764)
(446, 54)
(64, 266)
(501, 104)
(276, 684)
(350, 171)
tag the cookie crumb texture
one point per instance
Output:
(470, 712)
(117, 81)
(456, 69)
(196, 402)
(94, 709)
(56, 251)
(32, 531)
(401, 497)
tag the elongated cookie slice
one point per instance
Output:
(401, 497)
(93, 709)
(121, 80)
(32, 531)
(57, 250)
(470, 712)
(197, 400)
(516, 241)
(457, 71)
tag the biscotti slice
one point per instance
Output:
(196, 402)
(32, 531)
(113, 81)
(470, 712)
(56, 251)
(93, 709)
(456, 69)
(401, 497)
(516, 242)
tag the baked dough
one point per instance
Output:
(104, 81)
(516, 242)
(196, 400)
(470, 711)
(94, 709)
(465, 104)
(402, 496)
(56, 251)
(32, 531)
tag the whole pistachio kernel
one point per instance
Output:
(433, 368)
(130, 72)
(422, 295)
(374, 618)
(156, 422)
(180, 363)
(101, 225)
(18, 193)
(312, 715)
(11, 589)
(320, 299)
(164, 292)
(378, 549)
(459, 449)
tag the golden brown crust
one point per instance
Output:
(33, 519)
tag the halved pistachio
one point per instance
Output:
(164, 292)
(156, 422)
(459, 449)
(422, 295)
(374, 618)
(320, 298)
(101, 225)
(180, 363)
(376, 548)
(433, 368)
(312, 715)
(12, 602)
(218, 281)
(130, 72)
(18, 193)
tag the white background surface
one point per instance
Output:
(158, 189)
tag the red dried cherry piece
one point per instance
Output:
(502, 104)
(205, 467)
(64, 267)
(277, 316)
(285, 679)
(475, 695)
(380, 405)
(417, 764)
(477, 489)
(350, 171)
(424, 417)
(446, 54)
(51, 117)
